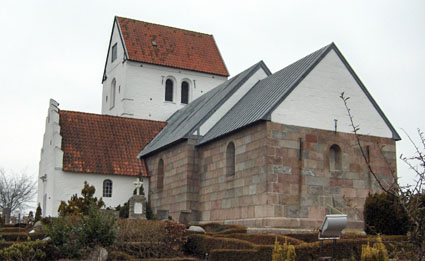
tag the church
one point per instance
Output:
(260, 149)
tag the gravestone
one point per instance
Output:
(137, 203)
(162, 214)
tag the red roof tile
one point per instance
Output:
(174, 47)
(104, 144)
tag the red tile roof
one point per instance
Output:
(174, 47)
(104, 144)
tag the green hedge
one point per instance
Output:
(200, 244)
(15, 236)
(263, 239)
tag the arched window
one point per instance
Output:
(169, 90)
(185, 92)
(160, 178)
(113, 91)
(230, 159)
(107, 188)
(335, 158)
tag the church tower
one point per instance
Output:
(152, 70)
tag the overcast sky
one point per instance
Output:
(57, 49)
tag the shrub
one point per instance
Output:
(81, 205)
(150, 239)
(32, 250)
(223, 229)
(37, 213)
(384, 215)
(119, 255)
(376, 253)
(149, 212)
(73, 235)
(200, 244)
(262, 239)
(124, 211)
(286, 252)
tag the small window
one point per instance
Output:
(169, 90)
(230, 159)
(107, 188)
(335, 158)
(113, 91)
(160, 177)
(185, 92)
(114, 53)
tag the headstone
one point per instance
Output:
(6, 215)
(137, 203)
(196, 229)
(162, 214)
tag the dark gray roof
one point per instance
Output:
(267, 94)
(185, 121)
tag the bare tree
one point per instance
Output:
(16, 191)
(411, 197)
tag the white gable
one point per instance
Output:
(316, 101)
(228, 105)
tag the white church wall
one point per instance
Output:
(114, 70)
(226, 106)
(145, 89)
(316, 102)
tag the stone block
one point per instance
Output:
(315, 190)
(360, 184)
(279, 169)
(307, 172)
(319, 181)
(278, 135)
(296, 212)
(291, 144)
(252, 189)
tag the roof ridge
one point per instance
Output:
(172, 27)
(109, 116)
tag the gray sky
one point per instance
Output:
(57, 49)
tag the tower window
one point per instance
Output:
(114, 53)
(160, 178)
(169, 90)
(107, 188)
(230, 159)
(185, 92)
(335, 158)
(113, 91)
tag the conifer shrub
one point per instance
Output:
(31, 250)
(384, 215)
(37, 214)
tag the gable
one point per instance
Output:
(172, 47)
(121, 52)
(315, 102)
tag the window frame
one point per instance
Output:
(160, 175)
(114, 52)
(335, 158)
(168, 91)
(230, 159)
(187, 87)
(113, 94)
(107, 188)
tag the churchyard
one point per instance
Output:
(84, 231)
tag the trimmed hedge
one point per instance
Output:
(198, 245)
(217, 228)
(263, 239)
(15, 236)
(12, 229)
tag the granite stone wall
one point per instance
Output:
(283, 177)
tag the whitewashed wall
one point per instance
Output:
(61, 185)
(140, 89)
(228, 105)
(316, 102)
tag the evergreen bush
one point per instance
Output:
(384, 215)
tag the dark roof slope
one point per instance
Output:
(172, 47)
(104, 144)
(186, 120)
(267, 94)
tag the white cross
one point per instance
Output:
(138, 184)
